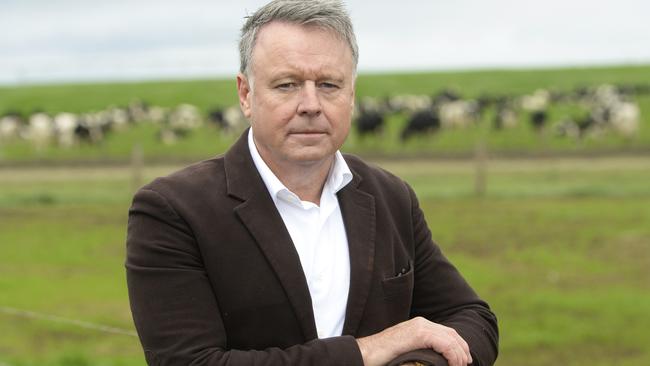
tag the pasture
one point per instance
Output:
(557, 244)
(208, 140)
(558, 247)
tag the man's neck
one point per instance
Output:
(306, 180)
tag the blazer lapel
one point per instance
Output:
(358, 211)
(260, 216)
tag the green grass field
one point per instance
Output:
(207, 141)
(559, 247)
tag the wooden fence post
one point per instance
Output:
(137, 166)
(481, 161)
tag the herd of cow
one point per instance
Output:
(600, 109)
(69, 129)
(596, 110)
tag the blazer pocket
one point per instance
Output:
(400, 285)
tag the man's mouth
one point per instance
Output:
(307, 132)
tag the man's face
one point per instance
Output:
(301, 97)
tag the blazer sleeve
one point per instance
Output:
(425, 357)
(443, 296)
(174, 307)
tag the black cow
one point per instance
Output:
(538, 119)
(215, 116)
(369, 122)
(421, 122)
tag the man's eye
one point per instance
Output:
(329, 86)
(286, 86)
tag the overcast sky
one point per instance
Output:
(73, 40)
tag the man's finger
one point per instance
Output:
(453, 345)
(464, 346)
(462, 357)
(449, 348)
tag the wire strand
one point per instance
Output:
(58, 319)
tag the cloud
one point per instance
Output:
(124, 39)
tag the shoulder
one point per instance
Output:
(192, 181)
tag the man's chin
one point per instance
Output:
(309, 156)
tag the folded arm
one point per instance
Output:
(449, 325)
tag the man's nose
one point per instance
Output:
(309, 104)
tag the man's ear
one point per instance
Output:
(244, 92)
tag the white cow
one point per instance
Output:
(40, 130)
(624, 119)
(409, 103)
(9, 127)
(185, 117)
(235, 119)
(458, 113)
(538, 101)
(65, 125)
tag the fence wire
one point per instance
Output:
(58, 319)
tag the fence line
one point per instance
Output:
(57, 319)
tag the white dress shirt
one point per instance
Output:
(318, 233)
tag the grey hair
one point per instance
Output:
(327, 14)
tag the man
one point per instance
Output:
(285, 252)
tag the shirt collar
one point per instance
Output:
(338, 177)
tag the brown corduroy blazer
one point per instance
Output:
(214, 278)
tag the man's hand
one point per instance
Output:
(417, 333)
